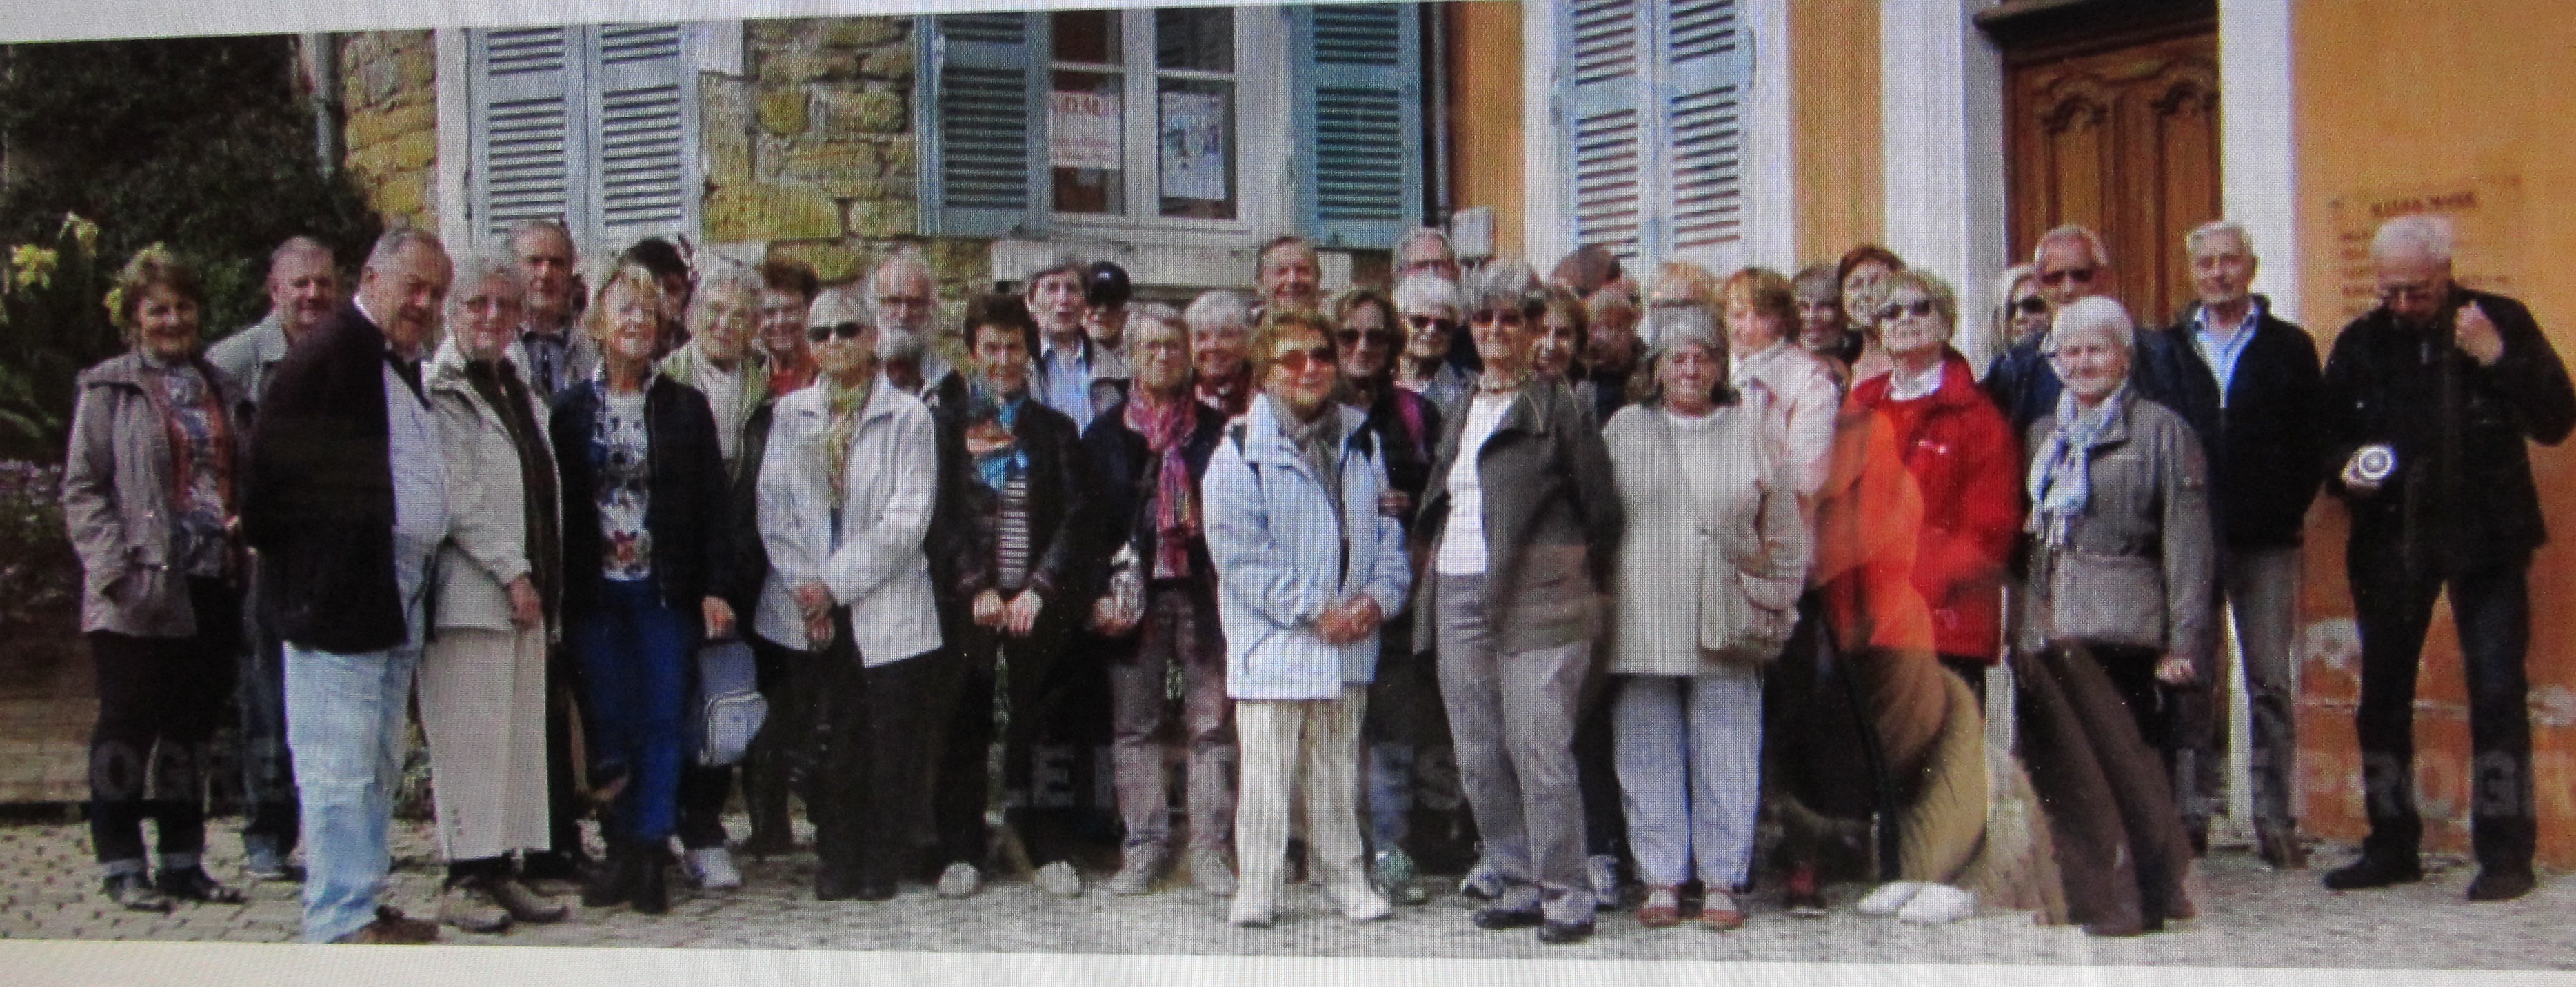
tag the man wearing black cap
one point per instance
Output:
(1106, 289)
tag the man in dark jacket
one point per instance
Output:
(347, 499)
(2249, 385)
(2429, 401)
(2072, 264)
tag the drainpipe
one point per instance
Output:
(1437, 17)
(322, 65)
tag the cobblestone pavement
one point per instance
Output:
(2250, 916)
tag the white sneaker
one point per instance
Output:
(1603, 869)
(714, 869)
(960, 880)
(1359, 902)
(1482, 882)
(1888, 897)
(1939, 904)
(1250, 911)
(1060, 879)
(1212, 873)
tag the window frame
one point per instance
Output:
(1260, 42)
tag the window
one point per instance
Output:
(594, 125)
(1153, 118)
(1651, 97)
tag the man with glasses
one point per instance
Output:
(2248, 384)
(905, 306)
(2072, 264)
(2429, 402)
(1424, 250)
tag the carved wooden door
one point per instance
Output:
(2124, 141)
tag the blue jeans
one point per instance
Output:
(2491, 610)
(345, 716)
(634, 652)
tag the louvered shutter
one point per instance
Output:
(643, 176)
(1605, 125)
(1704, 72)
(524, 146)
(1357, 78)
(986, 170)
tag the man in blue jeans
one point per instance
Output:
(347, 499)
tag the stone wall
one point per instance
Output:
(389, 99)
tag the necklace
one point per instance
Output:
(1487, 384)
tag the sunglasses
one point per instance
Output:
(1353, 337)
(2032, 305)
(2079, 275)
(1303, 358)
(1430, 321)
(844, 330)
(1892, 311)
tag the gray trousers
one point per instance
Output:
(1175, 633)
(1512, 717)
(1690, 773)
(2262, 587)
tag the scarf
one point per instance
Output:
(2061, 476)
(841, 406)
(1167, 427)
(1317, 440)
(999, 462)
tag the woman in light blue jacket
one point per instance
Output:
(1309, 563)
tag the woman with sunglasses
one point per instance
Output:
(1427, 307)
(1520, 521)
(644, 564)
(2019, 313)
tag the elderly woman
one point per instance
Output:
(1799, 386)
(500, 578)
(149, 495)
(1220, 324)
(1706, 496)
(1558, 348)
(645, 559)
(2019, 313)
(1427, 306)
(719, 360)
(1863, 273)
(1519, 521)
(2117, 613)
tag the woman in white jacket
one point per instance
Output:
(845, 498)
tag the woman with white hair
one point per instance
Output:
(2116, 613)
(719, 359)
(1427, 305)
(1706, 495)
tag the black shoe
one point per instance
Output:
(652, 882)
(2198, 832)
(194, 884)
(876, 890)
(613, 883)
(1495, 918)
(134, 893)
(2501, 884)
(831, 883)
(2373, 872)
(548, 865)
(1564, 933)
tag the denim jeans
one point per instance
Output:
(344, 725)
(2491, 607)
(635, 652)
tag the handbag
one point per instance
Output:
(1742, 618)
(1126, 593)
(729, 709)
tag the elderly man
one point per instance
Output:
(2247, 382)
(2072, 264)
(303, 290)
(2430, 400)
(1424, 250)
(1611, 348)
(1074, 374)
(904, 301)
(1220, 332)
(1289, 274)
(348, 498)
(551, 352)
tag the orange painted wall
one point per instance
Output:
(1485, 113)
(1834, 100)
(2395, 93)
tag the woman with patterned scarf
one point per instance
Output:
(2115, 615)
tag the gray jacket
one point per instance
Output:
(2136, 568)
(1551, 521)
(250, 354)
(487, 545)
(116, 500)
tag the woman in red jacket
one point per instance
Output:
(1965, 461)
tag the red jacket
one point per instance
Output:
(1967, 463)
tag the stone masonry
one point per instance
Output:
(388, 93)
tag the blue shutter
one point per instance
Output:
(642, 166)
(1605, 125)
(1704, 78)
(985, 168)
(526, 155)
(1356, 73)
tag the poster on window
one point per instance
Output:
(1193, 141)
(1083, 131)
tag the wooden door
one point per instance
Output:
(2125, 141)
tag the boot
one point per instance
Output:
(652, 888)
(613, 882)
(765, 788)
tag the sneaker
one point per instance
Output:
(713, 869)
(1938, 904)
(1604, 871)
(1803, 898)
(525, 905)
(1252, 911)
(1060, 879)
(1719, 912)
(1212, 872)
(1887, 898)
(1482, 882)
(266, 866)
(1358, 901)
(132, 892)
(2370, 871)
(2500, 884)
(1394, 875)
(471, 908)
(1140, 865)
(194, 884)
(960, 880)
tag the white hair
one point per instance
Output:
(482, 267)
(390, 246)
(908, 256)
(727, 277)
(2218, 227)
(2415, 234)
(1214, 310)
(2094, 314)
(1425, 234)
(834, 306)
(2072, 231)
(1157, 312)
(1426, 292)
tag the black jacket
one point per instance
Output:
(692, 544)
(2024, 384)
(2265, 464)
(2462, 497)
(750, 555)
(319, 501)
(962, 544)
(1123, 465)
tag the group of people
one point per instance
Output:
(1642, 560)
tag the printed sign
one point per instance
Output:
(1084, 131)
(2486, 252)
(1193, 141)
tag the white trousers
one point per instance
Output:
(1284, 746)
(483, 711)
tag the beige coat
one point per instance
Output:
(877, 567)
(116, 499)
(487, 547)
(1738, 487)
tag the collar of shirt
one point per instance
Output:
(1762, 357)
(2222, 356)
(1079, 353)
(1914, 386)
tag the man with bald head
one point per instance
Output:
(551, 352)
(2431, 402)
(346, 496)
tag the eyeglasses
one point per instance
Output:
(1353, 337)
(905, 301)
(1491, 316)
(844, 330)
(1303, 358)
(1919, 308)
(1420, 322)
(2409, 293)
(2079, 275)
(2031, 305)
